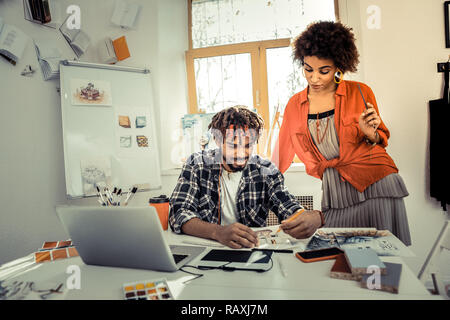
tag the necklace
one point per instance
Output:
(319, 140)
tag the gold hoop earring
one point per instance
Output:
(338, 78)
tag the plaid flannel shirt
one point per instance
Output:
(261, 189)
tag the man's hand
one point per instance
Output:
(236, 236)
(302, 226)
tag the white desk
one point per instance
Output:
(303, 281)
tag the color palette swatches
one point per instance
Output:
(54, 250)
(147, 290)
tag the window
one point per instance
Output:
(240, 53)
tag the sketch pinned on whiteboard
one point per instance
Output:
(132, 130)
(142, 141)
(125, 141)
(95, 172)
(91, 92)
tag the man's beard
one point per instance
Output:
(233, 167)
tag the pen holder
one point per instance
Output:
(161, 205)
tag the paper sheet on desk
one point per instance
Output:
(184, 239)
(383, 242)
(269, 239)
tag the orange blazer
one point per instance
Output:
(358, 163)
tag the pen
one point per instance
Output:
(274, 250)
(292, 218)
(218, 245)
(99, 194)
(130, 195)
(119, 196)
(108, 195)
(365, 104)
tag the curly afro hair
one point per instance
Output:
(239, 116)
(328, 40)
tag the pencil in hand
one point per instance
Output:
(295, 215)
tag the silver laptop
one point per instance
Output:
(129, 237)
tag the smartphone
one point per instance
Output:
(319, 255)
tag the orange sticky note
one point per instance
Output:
(121, 48)
(42, 256)
(49, 244)
(59, 254)
(72, 252)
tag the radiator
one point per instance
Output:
(306, 201)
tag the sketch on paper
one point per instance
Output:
(125, 141)
(142, 141)
(124, 121)
(196, 136)
(141, 121)
(95, 172)
(91, 92)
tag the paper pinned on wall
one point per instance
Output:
(90, 92)
(125, 15)
(49, 57)
(196, 136)
(78, 39)
(132, 131)
(12, 42)
(95, 172)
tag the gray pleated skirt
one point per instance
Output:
(379, 206)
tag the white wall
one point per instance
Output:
(409, 43)
(32, 178)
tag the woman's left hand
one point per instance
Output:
(369, 121)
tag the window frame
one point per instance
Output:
(257, 51)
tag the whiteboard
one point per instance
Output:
(108, 124)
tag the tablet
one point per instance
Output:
(236, 260)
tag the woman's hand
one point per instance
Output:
(369, 121)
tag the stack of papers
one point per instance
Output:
(48, 57)
(12, 42)
(125, 15)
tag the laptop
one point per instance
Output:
(128, 237)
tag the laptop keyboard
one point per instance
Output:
(179, 257)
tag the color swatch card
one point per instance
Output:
(147, 290)
(360, 259)
(341, 270)
(54, 250)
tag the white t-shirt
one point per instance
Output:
(229, 184)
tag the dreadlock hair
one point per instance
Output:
(240, 117)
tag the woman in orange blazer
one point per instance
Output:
(339, 139)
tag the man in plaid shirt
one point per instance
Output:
(221, 193)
